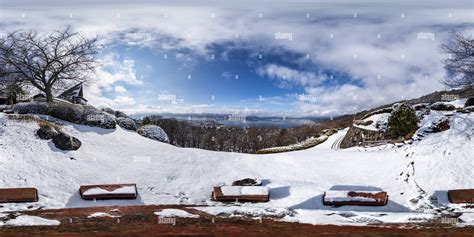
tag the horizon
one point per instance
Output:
(311, 59)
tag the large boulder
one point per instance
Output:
(247, 182)
(441, 106)
(153, 132)
(46, 132)
(65, 142)
(127, 123)
(441, 125)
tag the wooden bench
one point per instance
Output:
(357, 198)
(18, 195)
(108, 191)
(461, 195)
(241, 194)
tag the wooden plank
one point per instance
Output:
(461, 195)
(8, 195)
(218, 195)
(108, 191)
(357, 198)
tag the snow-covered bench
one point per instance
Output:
(241, 194)
(461, 195)
(18, 195)
(108, 191)
(359, 198)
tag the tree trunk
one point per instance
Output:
(49, 94)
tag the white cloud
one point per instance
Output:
(112, 70)
(124, 100)
(288, 75)
(379, 64)
(120, 89)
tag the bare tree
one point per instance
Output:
(47, 62)
(460, 61)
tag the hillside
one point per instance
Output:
(416, 176)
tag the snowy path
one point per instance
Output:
(337, 143)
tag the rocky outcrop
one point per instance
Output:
(358, 136)
(65, 142)
(247, 182)
(441, 125)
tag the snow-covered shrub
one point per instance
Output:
(120, 114)
(4, 107)
(127, 123)
(153, 132)
(66, 111)
(402, 121)
(96, 118)
(31, 108)
(442, 106)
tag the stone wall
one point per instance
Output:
(357, 136)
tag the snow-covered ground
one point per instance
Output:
(165, 174)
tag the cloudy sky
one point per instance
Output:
(299, 58)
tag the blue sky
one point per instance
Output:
(300, 58)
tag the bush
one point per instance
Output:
(127, 123)
(96, 118)
(402, 121)
(31, 108)
(65, 111)
(74, 113)
(153, 132)
(440, 106)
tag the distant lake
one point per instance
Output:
(266, 124)
(251, 122)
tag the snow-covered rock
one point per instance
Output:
(46, 132)
(65, 142)
(153, 132)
